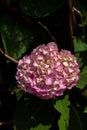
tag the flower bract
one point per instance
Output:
(47, 72)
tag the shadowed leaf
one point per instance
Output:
(62, 107)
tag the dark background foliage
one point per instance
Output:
(25, 24)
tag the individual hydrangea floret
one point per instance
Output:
(46, 72)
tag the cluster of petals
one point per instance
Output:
(47, 72)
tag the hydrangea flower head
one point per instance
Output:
(46, 72)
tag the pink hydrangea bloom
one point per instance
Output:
(46, 72)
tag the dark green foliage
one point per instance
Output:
(62, 106)
(39, 8)
(20, 33)
(34, 114)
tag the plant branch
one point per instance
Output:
(80, 14)
(47, 30)
(8, 57)
(70, 4)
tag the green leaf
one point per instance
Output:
(39, 8)
(19, 38)
(79, 45)
(84, 120)
(41, 127)
(34, 114)
(79, 59)
(74, 122)
(8, 1)
(16, 36)
(62, 107)
(83, 79)
(15, 127)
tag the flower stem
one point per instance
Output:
(45, 28)
(8, 57)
